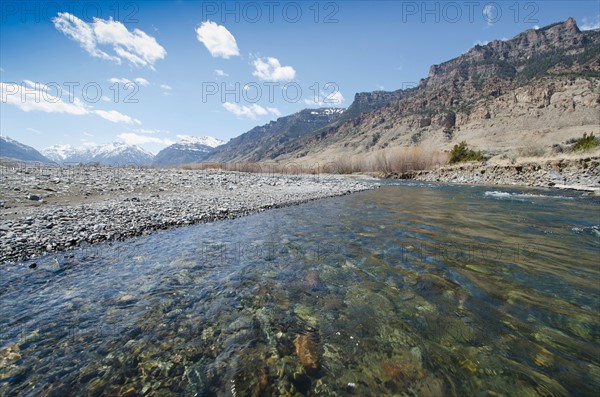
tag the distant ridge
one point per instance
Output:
(112, 154)
(11, 149)
(277, 137)
(189, 149)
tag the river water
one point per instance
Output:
(411, 290)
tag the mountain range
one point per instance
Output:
(112, 154)
(539, 88)
(187, 150)
(13, 150)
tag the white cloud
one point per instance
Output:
(326, 99)
(221, 73)
(138, 81)
(142, 81)
(166, 89)
(131, 138)
(217, 40)
(105, 98)
(252, 111)
(136, 46)
(481, 42)
(34, 130)
(589, 24)
(536, 27)
(274, 111)
(145, 131)
(270, 69)
(81, 32)
(31, 96)
(116, 117)
(37, 98)
(37, 86)
(491, 13)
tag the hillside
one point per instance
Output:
(539, 88)
(11, 149)
(188, 150)
(277, 138)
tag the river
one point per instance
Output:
(412, 289)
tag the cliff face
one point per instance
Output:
(541, 86)
(497, 96)
(501, 65)
(365, 102)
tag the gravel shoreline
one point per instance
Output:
(50, 209)
(579, 174)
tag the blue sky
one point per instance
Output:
(149, 72)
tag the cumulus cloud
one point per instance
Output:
(35, 97)
(116, 117)
(137, 47)
(132, 138)
(274, 111)
(270, 69)
(217, 40)
(491, 13)
(252, 112)
(142, 81)
(220, 73)
(590, 23)
(31, 96)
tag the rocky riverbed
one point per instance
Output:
(582, 174)
(46, 209)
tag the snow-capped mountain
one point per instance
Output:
(189, 149)
(202, 140)
(65, 153)
(109, 154)
(9, 148)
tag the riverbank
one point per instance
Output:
(48, 209)
(580, 174)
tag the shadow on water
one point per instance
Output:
(413, 289)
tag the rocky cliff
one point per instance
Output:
(540, 87)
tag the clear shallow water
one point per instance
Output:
(410, 290)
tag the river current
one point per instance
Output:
(412, 289)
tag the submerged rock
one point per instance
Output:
(306, 349)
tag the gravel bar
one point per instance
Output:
(48, 209)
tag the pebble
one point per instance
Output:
(127, 204)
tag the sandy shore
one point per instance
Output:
(46, 209)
